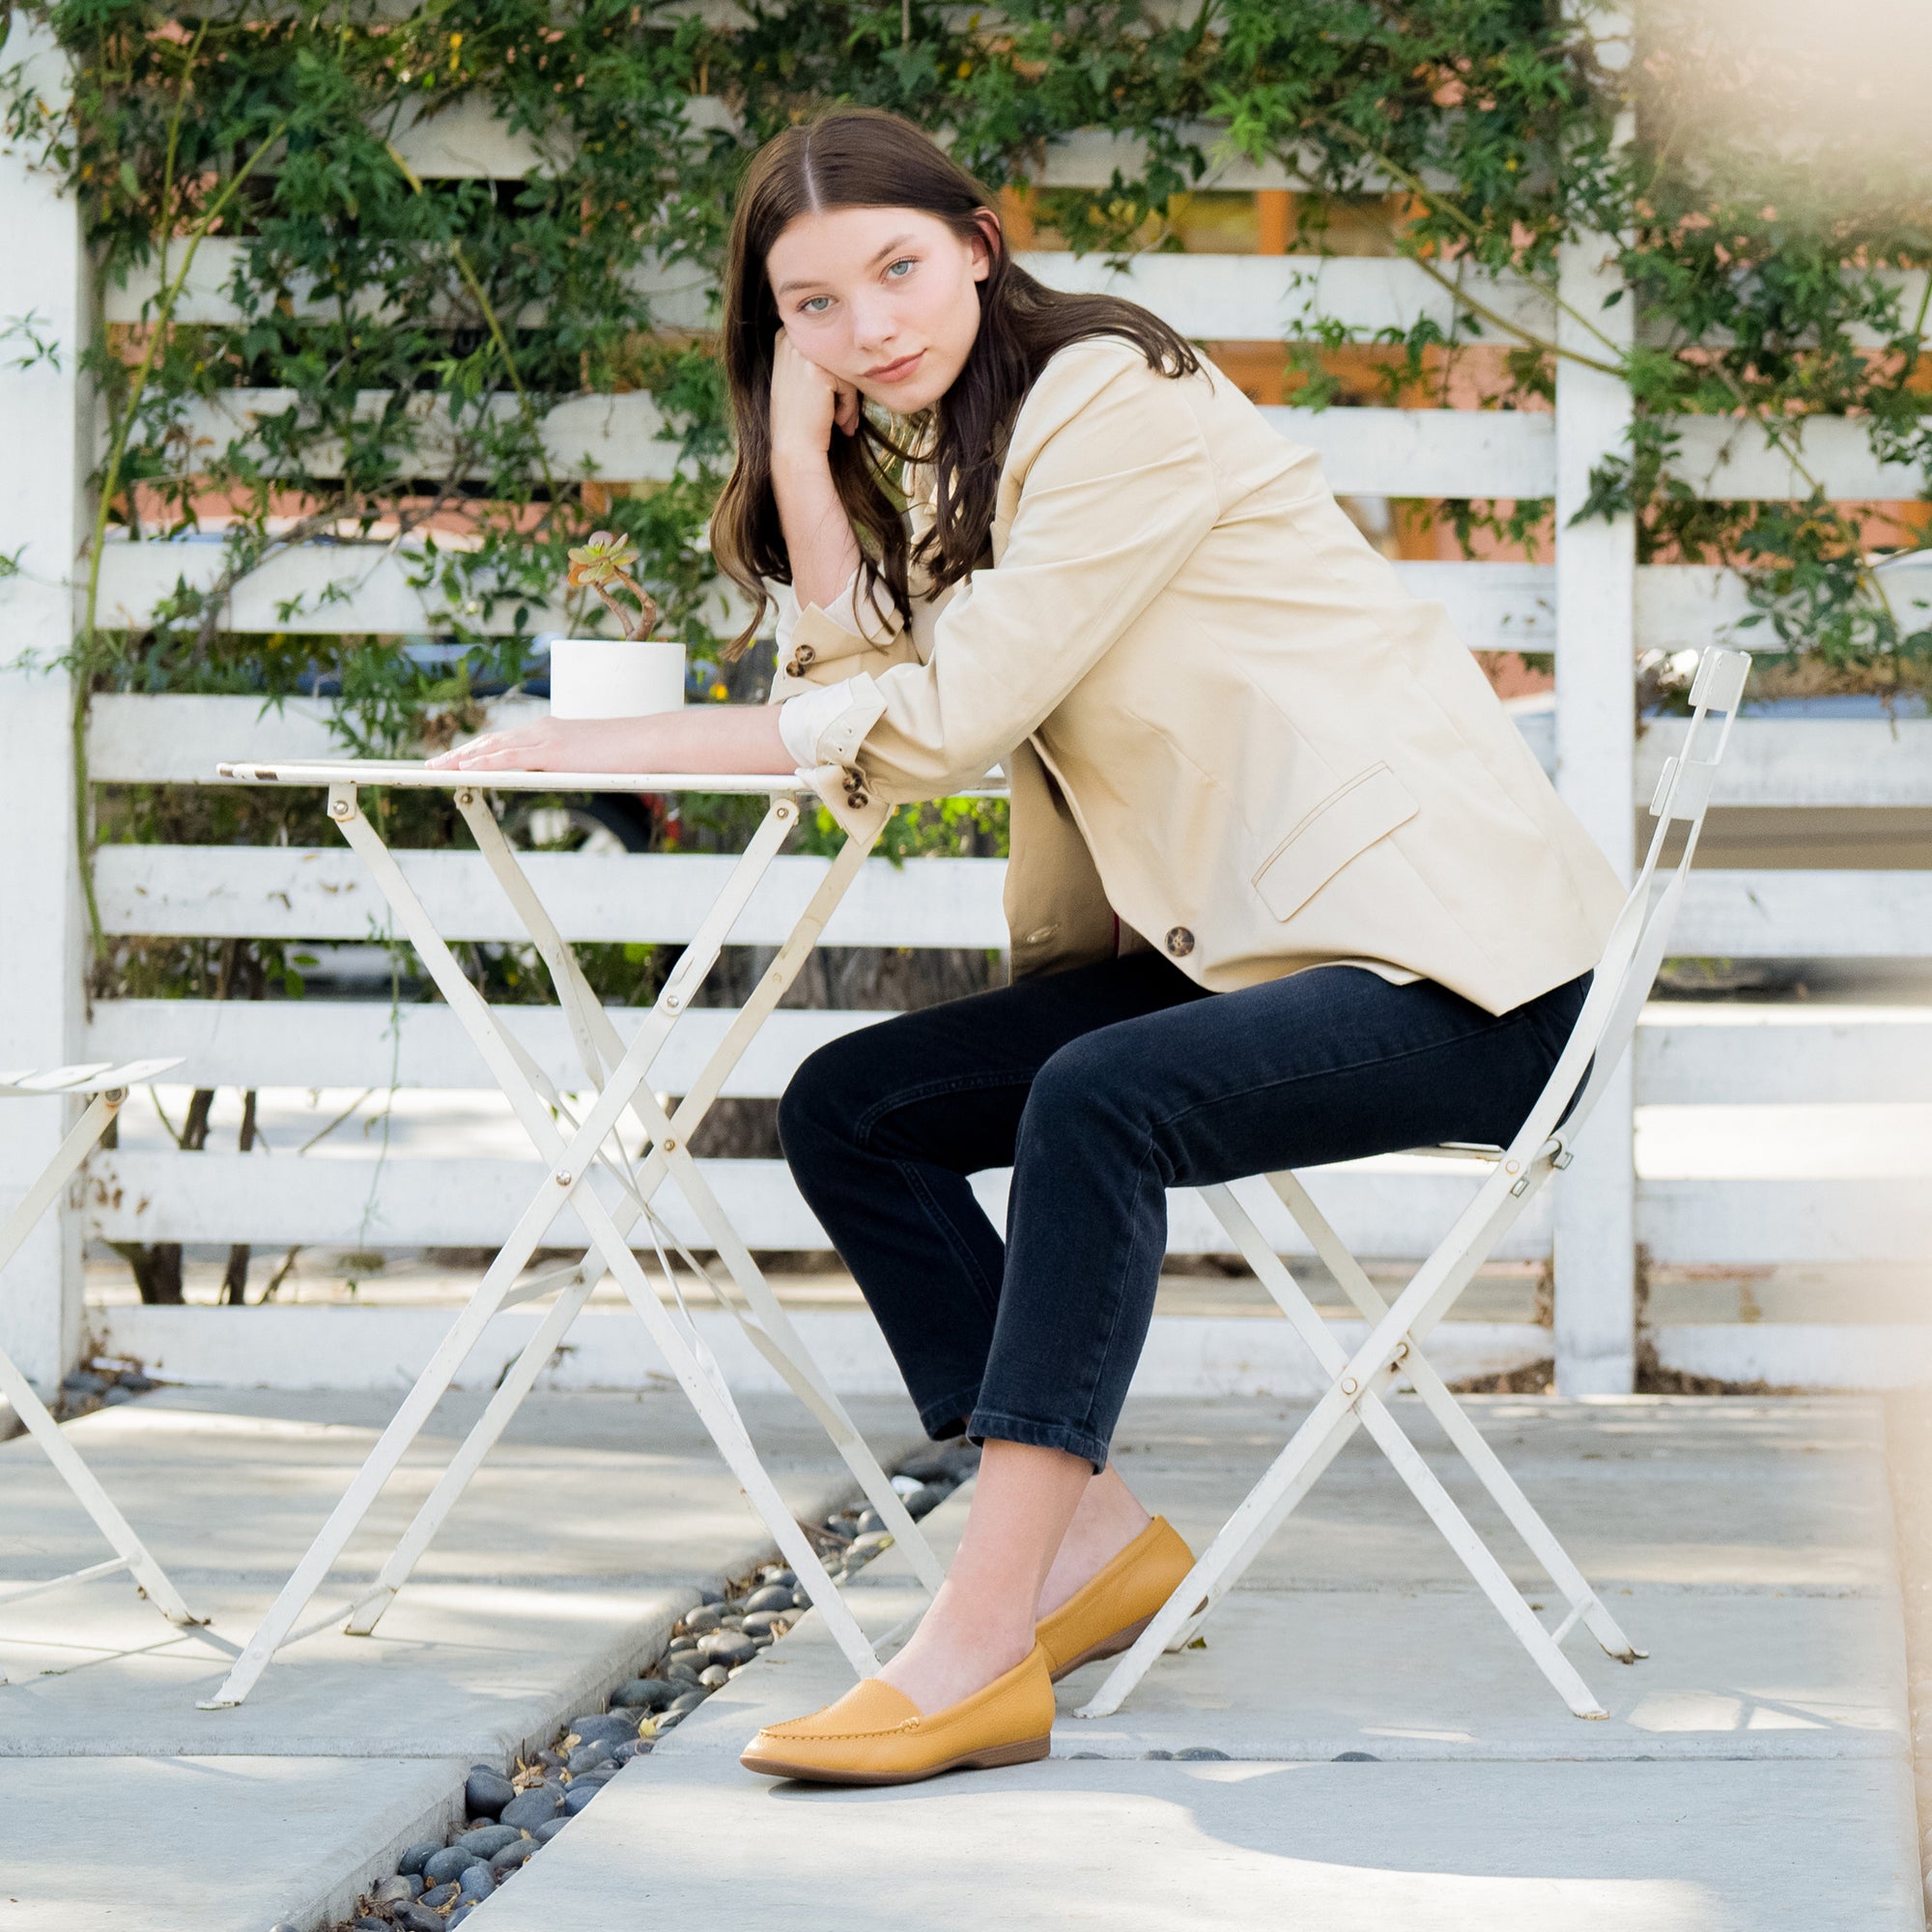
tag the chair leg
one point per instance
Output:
(1476, 1557)
(1288, 1480)
(1463, 1433)
(150, 1578)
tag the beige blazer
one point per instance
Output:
(1223, 717)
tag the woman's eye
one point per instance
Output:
(904, 262)
(806, 306)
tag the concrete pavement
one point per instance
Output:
(1754, 1772)
(589, 1531)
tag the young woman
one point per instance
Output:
(1285, 884)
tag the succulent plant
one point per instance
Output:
(604, 559)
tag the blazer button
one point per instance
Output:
(803, 655)
(1179, 941)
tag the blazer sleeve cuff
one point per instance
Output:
(827, 725)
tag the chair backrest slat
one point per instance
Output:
(1635, 951)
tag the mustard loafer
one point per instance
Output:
(877, 1735)
(1113, 1606)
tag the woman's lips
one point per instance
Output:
(895, 372)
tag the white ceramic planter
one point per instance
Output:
(613, 677)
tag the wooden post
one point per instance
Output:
(43, 294)
(1596, 748)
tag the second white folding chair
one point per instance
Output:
(105, 1086)
(1392, 1352)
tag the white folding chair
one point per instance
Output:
(1398, 1330)
(108, 1085)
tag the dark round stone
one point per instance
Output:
(486, 1791)
(418, 1854)
(646, 1693)
(479, 1883)
(530, 1808)
(1156, 1754)
(515, 1853)
(610, 1728)
(768, 1623)
(800, 1601)
(82, 1382)
(1355, 1758)
(683, 1670)
(777, 1575)
(370, 1924)
(580, 1795)
(544, 1832)
(728, 1648)
(486, 1840)
(705, 1617)
(688, 1703)
(418, 1917)
(445, 1866)
(113, 1399)
(1200, 1754)
(397, 1891)
(772, 1597)
(588, 1757)
(924, 1501)
(711, 1595)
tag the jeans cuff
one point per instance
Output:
(945, 1418)
(985, 1422)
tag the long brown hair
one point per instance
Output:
(866, 157)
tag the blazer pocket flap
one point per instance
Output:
(1347, 822)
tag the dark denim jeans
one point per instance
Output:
(1102, 1087)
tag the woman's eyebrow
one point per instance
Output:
(897, 242)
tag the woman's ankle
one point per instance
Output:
(1110, 1518)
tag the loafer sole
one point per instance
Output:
(1026, 1751)
(1108, 1646)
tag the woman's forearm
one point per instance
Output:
(701, 738)
(817, 532)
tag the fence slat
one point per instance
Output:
(462, 1203)
(1805, 761)
(1717, 1055)
(321, 892)
(350, 1043)
(290, 892)
(335, 1348)
(1242, 297)
(1687, 1055)
(1805, 915)
(322, 592)
(1398, 1214)
(135, 739)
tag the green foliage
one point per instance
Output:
(414, 333)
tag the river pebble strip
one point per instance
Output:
(512, 1811)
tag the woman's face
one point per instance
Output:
(861, 289)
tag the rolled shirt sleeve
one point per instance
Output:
(1118, 488)
(880, 619)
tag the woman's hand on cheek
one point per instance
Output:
(553, 745)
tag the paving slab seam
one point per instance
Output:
(484, 1822)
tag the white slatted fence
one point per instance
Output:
(1705, 1056)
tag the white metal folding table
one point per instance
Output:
(106, 1087)
(571, 1144)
